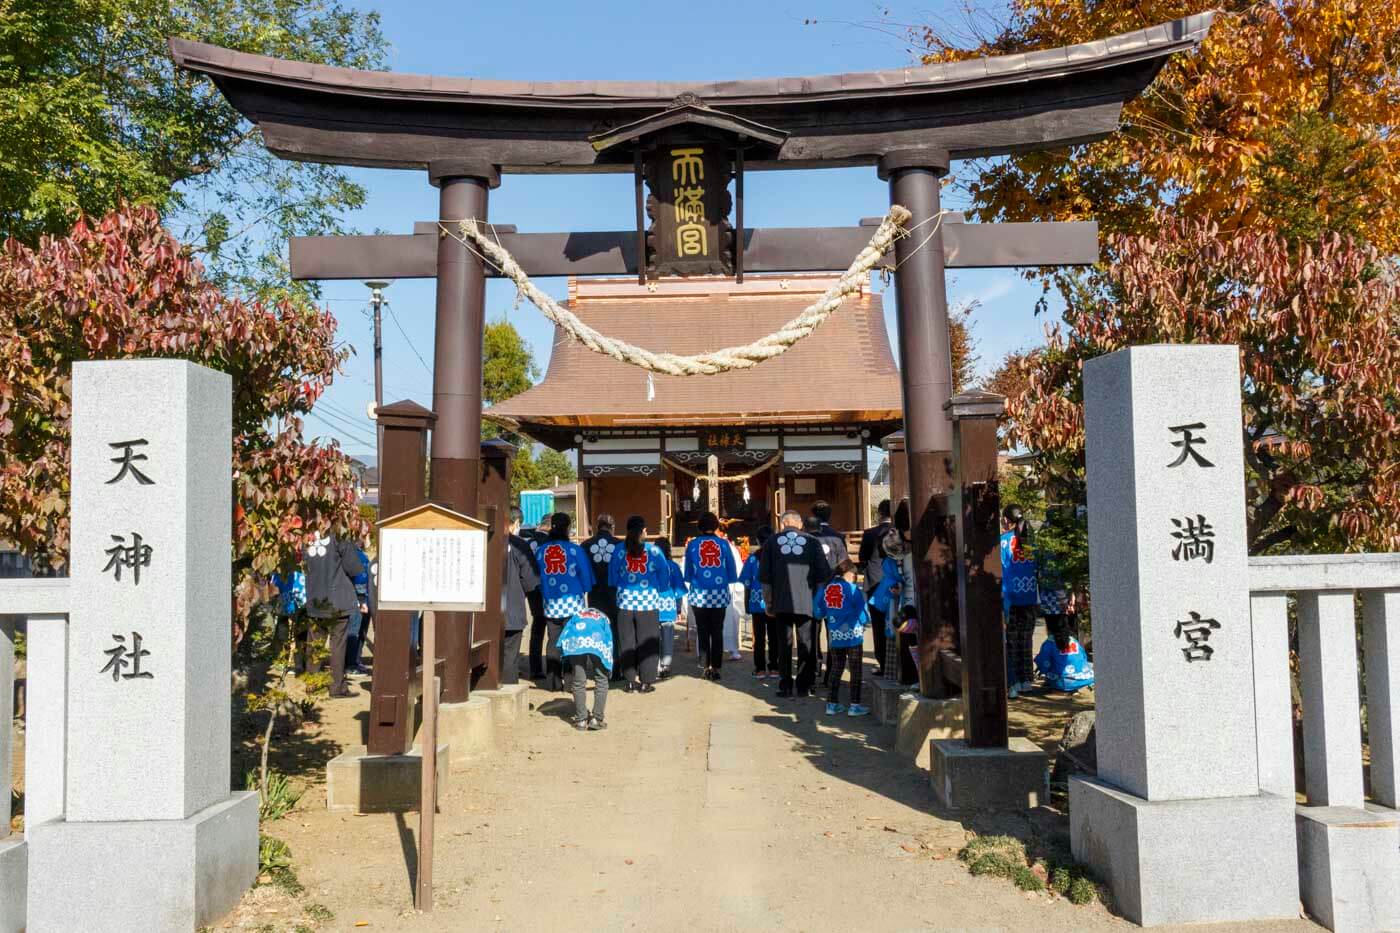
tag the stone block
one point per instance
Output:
(361, 783)
(1348, 865)
(14, 874)
(469, 727)
(922, 719)
(148, 724)
(1187, 861)
(143, 874)
(510, 704)
(964, 778)
(1165, 462)
(46, 720)
(884, 699)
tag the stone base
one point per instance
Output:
(1011, 778)
(1348, 864)
(1187, 861)
(510, 704)
(884, 697)
(14, 873)
(147, 874)
(470, 728)
(922, 719)
(361, 783)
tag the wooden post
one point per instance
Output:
(427, 802)
(712, 483)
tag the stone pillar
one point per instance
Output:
(926, 376)
(457, 358)
(402, 486)
(151, 836)
(1175, 821)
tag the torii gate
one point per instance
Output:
(910, 123)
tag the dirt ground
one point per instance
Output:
(704, 806)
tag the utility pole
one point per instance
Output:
(377, 302)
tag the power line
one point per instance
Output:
(339, 428)
(395, 318)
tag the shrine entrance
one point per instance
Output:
(685, 144)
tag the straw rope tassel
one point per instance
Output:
(471, 235)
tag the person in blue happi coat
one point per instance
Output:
(641, 574)
(709, 571)
(1018, 597)
(672, 604)
(842, 604)
(1062, 661)
(566, 576)
(586, 645)
(767, 634)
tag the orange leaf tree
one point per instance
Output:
(1318, 326)
(124, 287)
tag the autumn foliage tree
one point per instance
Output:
(123, 287)
(1318, 326)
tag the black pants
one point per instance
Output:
(510, 657)
(803, 628)
(1020, 652)
(767, 642)
(537, 627)
(639, 637)
(339, 628)
(908, 670)
(554, 663)
(839, 657)
(877, 630)
(710, 624)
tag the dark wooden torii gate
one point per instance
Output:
(909, 123)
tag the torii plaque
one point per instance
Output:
(910, 123)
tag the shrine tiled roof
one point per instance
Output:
(843, 373)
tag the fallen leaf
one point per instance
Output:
(908, 848)
(891, 829)
(361, 923)
(872, 818)
(827, 835)
(627, 861)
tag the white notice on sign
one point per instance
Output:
(432, 568)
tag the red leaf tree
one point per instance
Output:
(1318, 326)
(124, 287)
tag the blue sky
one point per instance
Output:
(549, 40)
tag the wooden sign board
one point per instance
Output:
(689, 208)
(432, 558)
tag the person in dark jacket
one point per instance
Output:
(522, 579)
(833, 542)
(331, 567)
(603, 596)
(790, 568)
(533, 538)
(871, 560)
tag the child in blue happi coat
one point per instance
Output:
(586, 645)
(566, 576)
(1062, 661)
(842, 604)
(768, 632)
(672, 603)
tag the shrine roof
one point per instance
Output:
(983, 106)
(843, 373)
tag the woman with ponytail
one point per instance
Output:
(709, 571)
(641, 575)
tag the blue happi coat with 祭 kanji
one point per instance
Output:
(641, 581)
(671, 599)
(588, 632)
(749, 578)
(1067, 670)
(291, 591)
(842, 605)
(709, 570)
(1017, 573)
(883, 596)
(565, 577)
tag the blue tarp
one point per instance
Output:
(535, 504)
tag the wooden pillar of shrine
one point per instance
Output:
(457, 356)
(926, 373)
(489, 626)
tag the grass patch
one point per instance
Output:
(275, 866)
(1006, 857)
(276, 799)
(318, 912)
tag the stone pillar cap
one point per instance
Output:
(440, 170)
(978, 403)
(933, 159)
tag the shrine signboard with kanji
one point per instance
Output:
(432, 558)
(689, 203)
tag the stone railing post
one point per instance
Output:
(1380, 623)
(1331, 699)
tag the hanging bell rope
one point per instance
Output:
(734, 478)
(470, 233)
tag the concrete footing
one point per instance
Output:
(151, 874)
(1011, 778)
(884, 699)
(920, 720)
(1187, 861)
(1348, 865)
(469, 727)
(14, 874)
(510, 704)
(358, 782)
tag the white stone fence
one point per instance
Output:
(1347, 842)
(44, 602)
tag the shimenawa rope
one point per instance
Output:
(471, 235)
(731, 478)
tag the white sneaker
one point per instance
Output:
(1013, 691)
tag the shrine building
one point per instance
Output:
(802, 423)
